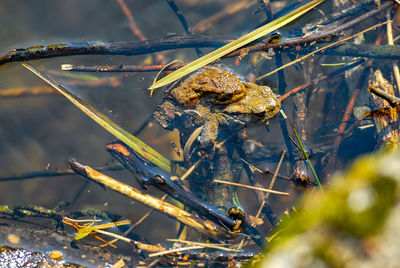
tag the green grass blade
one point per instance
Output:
(306, 156)
(242, 41)
(136, 144)
(333, 64)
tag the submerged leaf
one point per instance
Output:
(242, 41)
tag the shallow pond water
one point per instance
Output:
(39, 133)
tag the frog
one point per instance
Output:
(212, 100)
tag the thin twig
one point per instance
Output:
(132, 23)
(206, 245)
(174, 250)
(134, 28)
(142, 219)
(252, 187)
(26, 91)
(393, 100)
(319, 79)
(179, 15)
(365, 50)
(321, 49)
(341, 130)
(140, 245)
(190, 170)
(53, 173)
(266, 6)
(275, 174)
(181, 18)
(120, 68)
(271, 184)
(396, 70)
(227, 12)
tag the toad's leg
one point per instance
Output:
(210, 131)
(189, 143)
(206, 135)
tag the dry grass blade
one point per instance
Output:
(242, 41)
(136, 144)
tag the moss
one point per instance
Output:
(353, 208)
(5, 210)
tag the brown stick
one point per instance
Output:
(205, 227)
(132, 23)
(323, 35)
(120, 68)
(342, 127)
(393, 101)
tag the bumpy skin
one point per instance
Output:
(219, 85)
(215, 99)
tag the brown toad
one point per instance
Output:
(211, 100)
(215, 84)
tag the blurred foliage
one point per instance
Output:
(346, 223)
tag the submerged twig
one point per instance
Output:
(322, 49)
(26, 91)
(252, 187)
(341, 130)
(53, 173)
(179, 15)
(174, 250)
(132, 23)
(392, 100)
(149, 175)
(389, 28)
(162, 206)
(365, 50)
(206, 245)
(220, 256)
(319, 79)
(270, 185)
(142, 219)
(230, 10)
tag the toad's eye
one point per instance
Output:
(235, 213)
(159, 179)
(274, 38)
